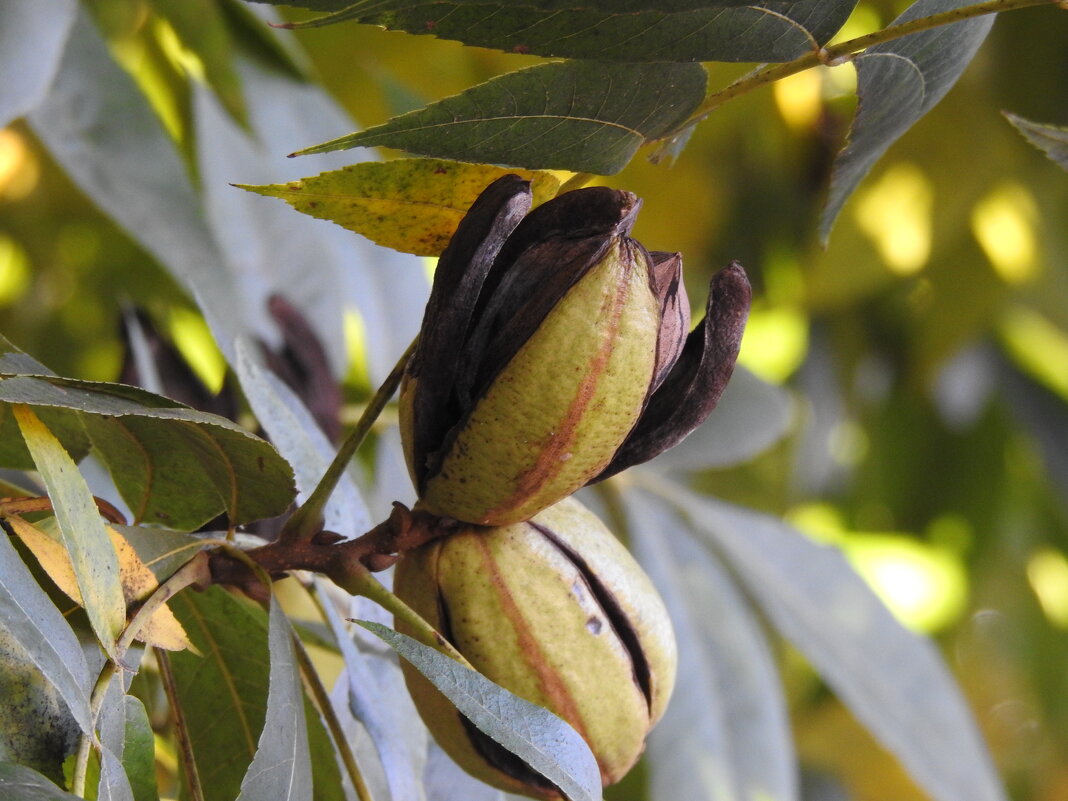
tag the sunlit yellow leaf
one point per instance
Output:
(411, 205)
(161, 630)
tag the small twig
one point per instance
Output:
(89, 741)
(307, 521)
(81, 766)
(835, 54)
(42, 503)
(365, 584)
(195, 571)
(181, 727)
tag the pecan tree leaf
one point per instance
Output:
(204, 30)
(281, 769)
(29, 617)
(410, 205)
(897, 83)
(894, 681)
(19, 783)
(172, 464)
(92, 556)
(582, 116)
(728, 712)
(535, 735)
(31, 44)
(1050, 139)
(636, 31)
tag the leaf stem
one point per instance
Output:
(181, 727)
(314, 684)
(81, 766)
(88, 741)
(308, 519)
(835, 54)
(196, 570)
(364, 583)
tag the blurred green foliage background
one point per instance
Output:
(927, 343)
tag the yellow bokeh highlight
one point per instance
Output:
(775, 342)
(847, 443)
(355, 332)
(924, 585)
(799, 98)
(1047, 573)
(864, 19)
(14, 271)
(19, 171)
(895, 214)
(194, 341)
(1037, 345)
(840, 81)
(1003, 222)
(430, 266)
(178, 54)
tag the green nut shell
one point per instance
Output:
(560, 409)
(558, 612)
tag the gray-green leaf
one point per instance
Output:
(751, 416)
(365, 694)
(173, 465)
(281, 769)
(139, 751)
(294, 432)
(535, 735)
(580, 116)
(727, 714)
(85, 122)
(19, 783)
(894, 681)
(727, 30)
(31, 618)
(31, 43)
(92, 555)
(897, 83)
(223, 693)
(1050, 139)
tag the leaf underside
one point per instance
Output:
(535, 735)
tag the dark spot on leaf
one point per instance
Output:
(593, 625)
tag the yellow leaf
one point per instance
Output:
(51, 555)
(411, 205)
(138, 582)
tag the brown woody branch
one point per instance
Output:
(326, 553)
